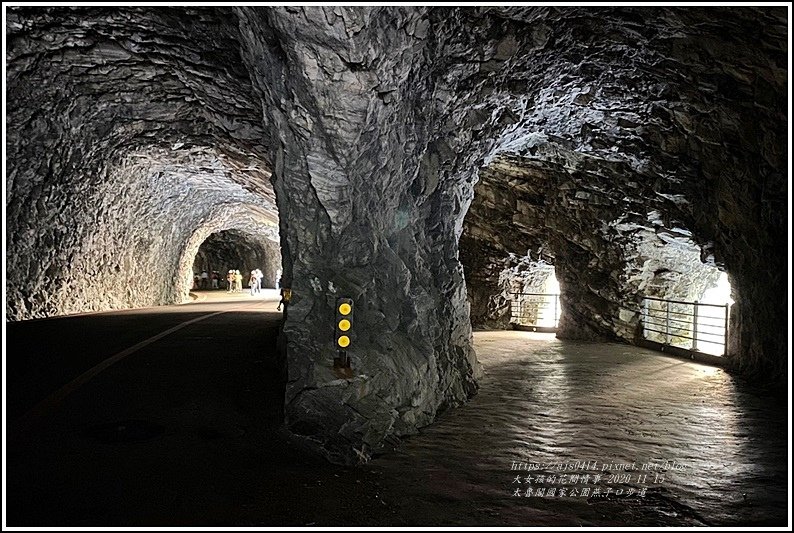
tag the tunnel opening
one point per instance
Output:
(713, 320)
(701, 325)
(535, 296)
(685, 296)
(236, 250)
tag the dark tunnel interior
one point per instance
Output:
(236, 250)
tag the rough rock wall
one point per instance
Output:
(127, 130)
(505, 225)
(366, 212)
(518, 210)
(488, 305)
(493, 281)
(641, 123)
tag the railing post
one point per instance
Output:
(644, 318)
(695, 327)
(725, 335)
(515, 309)
(667, 325)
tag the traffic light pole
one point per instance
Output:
(342, 361)
(344, 323)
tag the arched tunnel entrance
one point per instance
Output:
(448, 174)
(237, 250)
(636, 277)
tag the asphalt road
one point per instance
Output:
(179, 429)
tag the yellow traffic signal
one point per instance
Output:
(344, 322)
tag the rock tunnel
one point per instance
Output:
(403, 157)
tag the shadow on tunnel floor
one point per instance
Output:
(45, 354)
(187, 432)
(158, 436)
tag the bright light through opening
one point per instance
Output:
(719, 294)
(712, 319)
(550, 316)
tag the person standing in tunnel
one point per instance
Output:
(238, 281)
(230, 281)
(259, 277)
(215, 277)
(252, 282)
(285, 296)
(204, 279)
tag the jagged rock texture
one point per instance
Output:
(121, 154)
(136, 133)
(635, 126)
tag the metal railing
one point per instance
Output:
(691, 325)
(535, 309)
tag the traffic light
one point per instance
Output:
(344, 324)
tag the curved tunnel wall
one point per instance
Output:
(625, 133)
(226, 215)
(118, 147)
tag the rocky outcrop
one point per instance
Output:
(605, 135)
(622, 256)
(369, 211)
(631, 141)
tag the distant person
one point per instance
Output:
(196, 280)
(285, 297)
(259, 277)
(230, 281)
(215, 277)
(278, 279)
(252, 282)
(238, 281)
(204, 279)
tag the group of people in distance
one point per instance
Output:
(202, 281)
(234, 281)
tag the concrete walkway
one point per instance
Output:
(714, 450)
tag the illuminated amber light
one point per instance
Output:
(345, 309)
(343, 341)
(344, 324)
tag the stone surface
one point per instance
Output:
(131, 133)
(629, 255)
(603, 134)
(627, 134)
(370, 211)
(550, 401)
